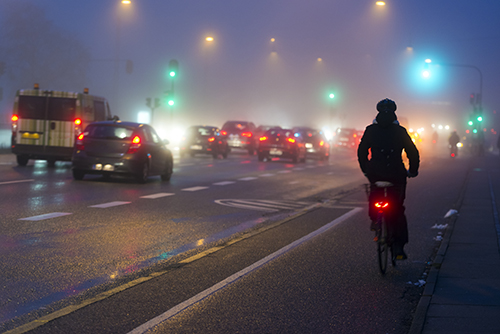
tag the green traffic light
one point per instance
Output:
(470, 123)
(475, 130)
(479, 118)
(172, 74)
(331, 95)
(170, 102)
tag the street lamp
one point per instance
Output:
(380, 3)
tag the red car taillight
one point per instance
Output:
(247, 134)
(263, 138)
(14, 120)
(78, 126)
(79, 142)
(291, 140)
(223, 132)
(211, 139)
(321, 143)
(136, 143)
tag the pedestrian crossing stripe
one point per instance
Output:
(263, 205)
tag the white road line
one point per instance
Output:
(46, 216)
(284, 171)
(223, 183)
(298, 168)
(250, 178)
(194, 188)
(158, 195)
(108, 205)
(270, 204)
(233, 278)
(17, 181)
(266, 175)
(294, 182)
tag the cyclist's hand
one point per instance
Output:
(412, 174)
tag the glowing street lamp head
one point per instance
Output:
(209, 39)
(380, 3)
(331, 95)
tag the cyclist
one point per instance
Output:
(386, 140)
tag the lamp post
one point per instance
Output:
(426, 74)
(116, 80)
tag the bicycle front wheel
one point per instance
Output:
(382, 247)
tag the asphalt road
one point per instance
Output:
(328, 283)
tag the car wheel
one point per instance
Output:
(143, 174)
(22, 160)
(78, 174)
(226, 151)
(167, 174)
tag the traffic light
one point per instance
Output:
(173, 68)
(479, 118)
(169, 98)
(331, 95)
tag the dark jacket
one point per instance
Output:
(386, 140)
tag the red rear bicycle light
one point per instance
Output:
(211, 139)
(247, 134)
(15, 118)
(78, 121)
(381, 205)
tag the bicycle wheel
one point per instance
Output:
(382, 247)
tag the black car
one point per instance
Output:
(121, 148)
(204, 140)
(259, 131)
(240, 135)
(281, 143)
(317, 146)
(346, 138)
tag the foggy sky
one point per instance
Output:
(242, 75)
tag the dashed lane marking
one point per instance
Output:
(16, 181)
(108, 205)
(266, 175)
(250, 178)
(284, 171)
(223, 183)
(194, 188)
(158, 195)
(46, 216)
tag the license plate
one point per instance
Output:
(196, 147)
(275, 151)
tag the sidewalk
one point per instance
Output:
(462, 294)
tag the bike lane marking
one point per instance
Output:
(46, 216)
(149, 325)
(108, 205)
(158, 195)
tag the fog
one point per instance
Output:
(359, 51)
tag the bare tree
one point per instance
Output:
(35, 50)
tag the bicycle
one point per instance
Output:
(381, 204)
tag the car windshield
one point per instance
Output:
(108, 132)
(235, 126)
(203, 132)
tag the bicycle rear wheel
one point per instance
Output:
(382, 247)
